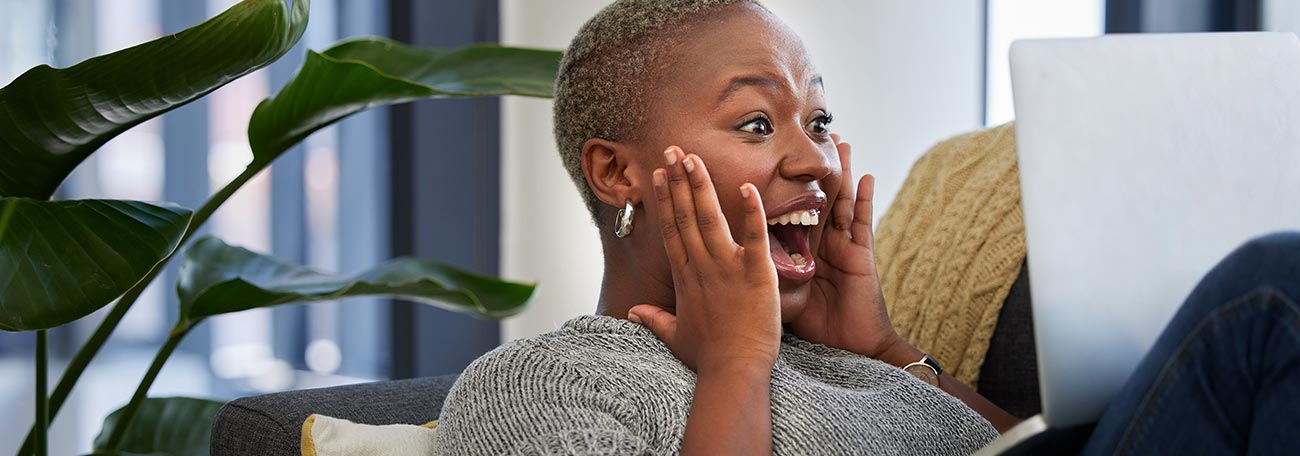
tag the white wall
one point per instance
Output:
(900, 76)
(1282, 16)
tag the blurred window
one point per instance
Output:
(185, 156)
(1010, 20)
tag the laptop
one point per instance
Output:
(1144, 160)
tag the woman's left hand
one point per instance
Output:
(846, 308)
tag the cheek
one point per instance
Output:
(728, 176)
(833, 183)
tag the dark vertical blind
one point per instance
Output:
(185, 162)
(1182, 16)
(445, 189)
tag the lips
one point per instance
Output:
(788, 226)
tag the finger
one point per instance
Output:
(708, 212)
(660, 322)
(684, 205)
(842, 211)
(667, 225)
(753, 234)
(861, 230)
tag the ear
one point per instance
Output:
(605, 164)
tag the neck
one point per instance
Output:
(631, 280)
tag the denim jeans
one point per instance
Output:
(1224, 376)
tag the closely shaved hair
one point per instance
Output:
(600, 91)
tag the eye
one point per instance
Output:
(759, 126)
(821, 125)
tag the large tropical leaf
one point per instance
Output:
(170, 426)
(358, 74)
(216, 278)
(62, 260)
(52, 119)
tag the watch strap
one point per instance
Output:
(927, 361)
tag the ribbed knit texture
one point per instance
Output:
(951, 245)
(601, 385)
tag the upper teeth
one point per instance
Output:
(808, 217)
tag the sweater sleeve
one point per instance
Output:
(525, 399)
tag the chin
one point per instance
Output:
(793, 301)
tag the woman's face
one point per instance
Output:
(741, 93)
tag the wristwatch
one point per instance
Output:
(926, 369)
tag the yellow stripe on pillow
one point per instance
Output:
(308, 446)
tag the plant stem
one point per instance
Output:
(127, 415)
(42, 389)
(96, 341)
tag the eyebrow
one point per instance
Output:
(740, 82)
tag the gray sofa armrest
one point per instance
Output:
(271, 424)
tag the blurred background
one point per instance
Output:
(473, 182)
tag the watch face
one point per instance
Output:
(923, 372)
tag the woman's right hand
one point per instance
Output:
(728, 311)
(727, 326)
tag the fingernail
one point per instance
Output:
(744, 191)
(671, 156)
(659, 177)
(689, 163)
(633, 318)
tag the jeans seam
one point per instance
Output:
(1131, 437)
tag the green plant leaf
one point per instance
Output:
(171, 426)
(62, 260)
(358, 74)
(216, 278)
(52, 119)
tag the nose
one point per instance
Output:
(808, 160)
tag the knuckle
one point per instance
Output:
(669, 230)
(657, 320)
(706, 221)
(842, 221)
(676, 178)
(699, 185)
(683, 219)
(739, 255)
(664, 197)
(678, 264)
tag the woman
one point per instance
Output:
(705, 264)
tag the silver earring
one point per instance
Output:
(624, 220)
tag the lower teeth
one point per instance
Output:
(798, 259)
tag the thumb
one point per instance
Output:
(660, 322)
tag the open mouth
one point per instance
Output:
(787, 235)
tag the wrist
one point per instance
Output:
(900, 353)
(736, 367)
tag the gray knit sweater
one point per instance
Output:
(601, 385)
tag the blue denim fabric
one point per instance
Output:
(1224, 376)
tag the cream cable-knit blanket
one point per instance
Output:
(951, 245)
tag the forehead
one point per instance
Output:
(738, 42)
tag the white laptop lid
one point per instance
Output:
(1144, 159)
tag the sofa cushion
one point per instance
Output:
(1009, 375)
(271, 424)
